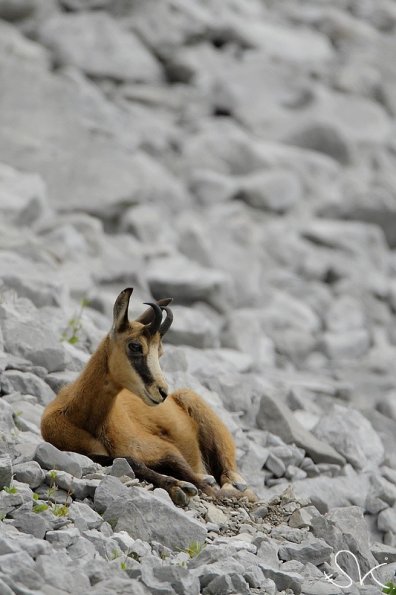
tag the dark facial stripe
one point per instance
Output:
(139, 364)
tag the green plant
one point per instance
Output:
(72, 332)
(115, 554)
(390, 588)
(194, 549)
(10, 490)
(123, 565)
(36, 496)
(40, 507)
(2, 516)
(60, 510)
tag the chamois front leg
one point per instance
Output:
(179, 490)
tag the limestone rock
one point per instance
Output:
(147, 517)
(97, 45)
(276, 417)
(50, 457)
(5, 471)
(352, 435)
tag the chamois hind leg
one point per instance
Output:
(216, 444)
(180, 488)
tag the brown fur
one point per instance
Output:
(106, 413)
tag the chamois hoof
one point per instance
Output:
(188, 488)
(229, 490)
(209, 480)
(182, 492)
(242, 487)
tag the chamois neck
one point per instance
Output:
(94, 391)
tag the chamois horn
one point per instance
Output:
(148, 314)
(155, 324)
(165, 326)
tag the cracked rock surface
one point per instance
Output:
(240, 157)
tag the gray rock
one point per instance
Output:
(30, 473)
(15, 10)
(243, 332)
(387, 405)
(63, 537)
(352, 435)
(283, 579)
(277, 418)
(108, 491)
(120, 467)
(192, 327)
(79, 488)
(124, 175)
(275, 464)
(176, 579)
(6, 471)
(177, 23)
(50, 457)
(22, 196)
(16, 562)
(31, 523)
(229, 583)
(325, 138)
(9, 502)
(41, 283)
(33, 340)
(84, 517)
(27, 411)
(315, 551)
(387, 520)
(5, 589)
(26, 383)
(7, 425)
(345, 528)
(303, 517)
(187, 282)
(57, 380)
(351, 344)
(119, 586)
(147, 517)
(60, 572)
(274, 190)
(383, 553)
(100, 47)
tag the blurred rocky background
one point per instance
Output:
(239, 156)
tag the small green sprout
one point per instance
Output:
(390, 588)
(60, 510)
(72, 332)
(10, 490)
(36, 496)
(194, 549)
(115, 554)
(40, 508)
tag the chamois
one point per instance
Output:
(119, 407)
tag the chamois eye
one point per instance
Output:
(135, 347)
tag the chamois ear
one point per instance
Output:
(149, 314)
(120, 311)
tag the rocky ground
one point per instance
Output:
(239, 156)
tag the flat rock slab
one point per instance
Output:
(276, 417)
(146, 517)
(50, 457)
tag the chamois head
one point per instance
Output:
(135, 349)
